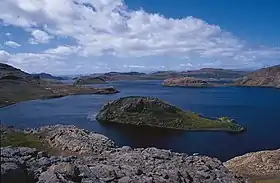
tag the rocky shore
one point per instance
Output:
(266, 77)
(93, 158)
(186, 82)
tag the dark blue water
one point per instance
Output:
(258, 109)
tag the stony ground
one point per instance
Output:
(95, 158)
(257, 164)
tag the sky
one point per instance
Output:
(88, 36)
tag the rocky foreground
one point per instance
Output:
(87, 157)
(257, 164)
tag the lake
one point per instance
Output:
(258, 109)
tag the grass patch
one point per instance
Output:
(21, 139)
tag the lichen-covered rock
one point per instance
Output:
(256, 164)
(68, 137)
(148, 111)
(109, 165)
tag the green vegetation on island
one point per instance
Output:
(148, 111)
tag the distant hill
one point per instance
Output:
(48, 76)
(266, 77)
(85, 80)
(205, 73)
(8, 71)
(215, 73)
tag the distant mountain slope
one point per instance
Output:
(48, 76)
(266, 77)
(84, 80)
(7, 70)
(216, 73)
(205, 73)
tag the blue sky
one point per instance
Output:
(87, 36)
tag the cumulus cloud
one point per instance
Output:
(29, 61)
(108, 27)
(39, 36)
(63, 50)
(12, 44)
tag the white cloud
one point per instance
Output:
(8, 34)
(4, 56)
(12, 44)
(108, 27)
(30, 61)
(63, 50)
(39, 36)
(134, 66)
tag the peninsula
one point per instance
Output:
(17, 86)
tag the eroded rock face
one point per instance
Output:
(256, 164)
(185, 82)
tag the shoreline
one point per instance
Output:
(177, 129)
(53, 91)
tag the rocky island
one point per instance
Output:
(266, 77)
(85, 80)
(17, 86)
(186, 82)
(148, 111)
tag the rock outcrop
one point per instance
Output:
(186, 82)
(74, 139)
(148, 111)
(110, 165)
(256, 164)
(266, 77)
(85, 80)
